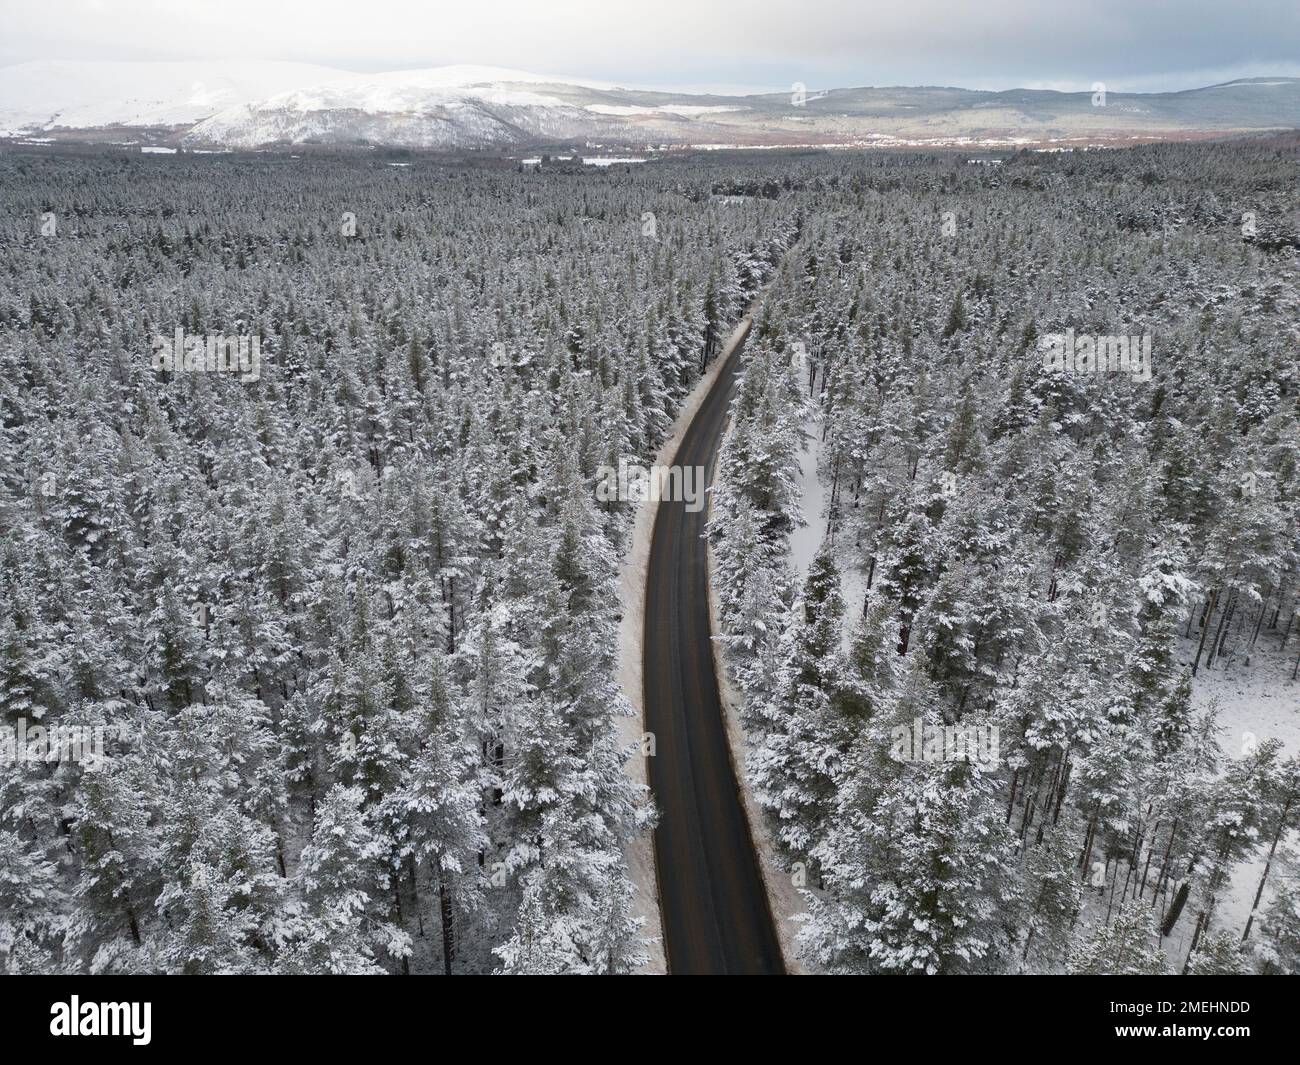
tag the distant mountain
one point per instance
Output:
(56, 95)
(250, 105)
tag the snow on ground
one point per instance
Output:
(681, 110)
(388, 95)
(1254, 703)
(806, 540)
(695, 110)
(1260, 698)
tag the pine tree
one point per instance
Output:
(344, 881)
(1125, 947)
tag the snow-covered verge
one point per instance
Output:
(787, 904)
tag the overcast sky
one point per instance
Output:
(749, 45)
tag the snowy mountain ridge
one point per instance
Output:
(259, 104)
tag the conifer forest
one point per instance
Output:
(327, 482)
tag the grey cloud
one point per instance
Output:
(1130, 44)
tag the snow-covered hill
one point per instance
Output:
(443, 107)
(54, 94)
(253, 104)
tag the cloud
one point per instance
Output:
(1129, 44)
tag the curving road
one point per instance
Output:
(715, 910)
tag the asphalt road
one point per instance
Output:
(715, 910)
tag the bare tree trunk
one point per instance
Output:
(1110, 902)
(1201, 922)
(1205, 628)
(1225, 627)
(1164, 864)
(448, 931)
(1037, 781)
(1268, 863)
(1065, 783)
(1259, 621)
(1175, 910)
(397, 909)
(1146, 867)
(415, 894)
(1089, 839)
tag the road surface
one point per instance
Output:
(716, 916)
